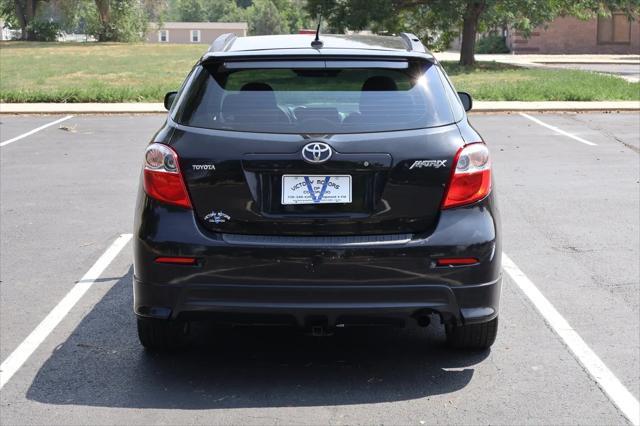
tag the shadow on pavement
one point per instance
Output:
(102, 364)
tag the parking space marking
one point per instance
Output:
(557, 130)
(37, 129)
(28, 346)
(608, 382)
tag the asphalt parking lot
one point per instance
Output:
(571, 226)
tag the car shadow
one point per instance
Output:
(102, 364)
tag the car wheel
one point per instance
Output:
(472, 336)
(161, 335)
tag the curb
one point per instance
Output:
(630, 62)
(554, 106)
(158, 108)
(82, 108)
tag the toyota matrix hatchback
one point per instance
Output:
(323, 185)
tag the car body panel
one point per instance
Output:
(333, 45)
(246, 181)
(252, 278)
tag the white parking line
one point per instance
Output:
(37, 129)
(557, 130)
(28, 346)
(608, 382)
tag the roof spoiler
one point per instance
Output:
(223, 42)
(413, 43)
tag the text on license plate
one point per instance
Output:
(316, 189)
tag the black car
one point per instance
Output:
(317, 184)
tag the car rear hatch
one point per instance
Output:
(307, 148)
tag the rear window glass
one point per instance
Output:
(316, 100)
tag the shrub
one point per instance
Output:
(492, 44)
(44, 31)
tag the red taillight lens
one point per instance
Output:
(162, 178)
(456, 261)
(177, 260)
(471, 177)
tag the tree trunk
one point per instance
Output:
(103, 11)
(25, 12)
(29, 14)
(104, 14)
(470, 30)
(22, 20)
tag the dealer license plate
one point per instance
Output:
(316, 189)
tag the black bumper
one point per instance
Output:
(335, 282)
(301, 305)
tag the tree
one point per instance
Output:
(155, 10)
(191, 11)
(472, 16)
(71, 14)
(22, 13)
(264, 18)
(524, 15)
(117, 20)
(45, 19)
(224, 11)
(293, 14)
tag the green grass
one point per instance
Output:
(491, 81)
(114, 72)
(75, 72)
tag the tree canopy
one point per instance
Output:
(438, 21)
(107, 20)
(263, 16)
(21, 14)
(125, 20)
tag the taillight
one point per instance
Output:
(162, 177)
(471, 177)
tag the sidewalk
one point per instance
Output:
(626, 67)
(508, 58)
(478, 106)
(82, 108)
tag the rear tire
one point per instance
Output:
(472, 336)
(158, 335)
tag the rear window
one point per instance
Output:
(315, 97)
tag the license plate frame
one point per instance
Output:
(295, 189)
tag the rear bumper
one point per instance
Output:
(301, 305)
(299, 281)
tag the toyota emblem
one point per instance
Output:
(316, 152)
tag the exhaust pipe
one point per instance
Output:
(319, 327)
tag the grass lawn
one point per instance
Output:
(114, 72)
(91, 72)
(491, 81)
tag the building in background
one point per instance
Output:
(614, 34)
(192, 32)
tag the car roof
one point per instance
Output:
(229, 45)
